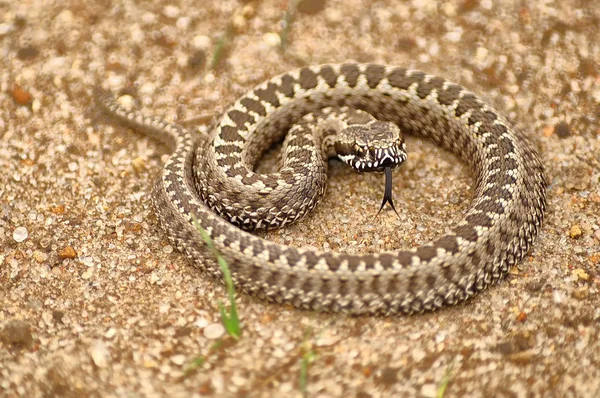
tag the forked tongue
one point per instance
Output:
(387, 195)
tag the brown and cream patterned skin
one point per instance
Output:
(497, 231)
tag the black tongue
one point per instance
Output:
(387, 195)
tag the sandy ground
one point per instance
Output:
(93, 300)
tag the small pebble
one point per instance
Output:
(575, 232)
(178, 359)
(562, 130)
(171, 11)
(139, 165)
(418, 354)
(239, 23)
(67, 252)
(20, 234)
(56, 65)
(65, 17)
(272, 39)
(183, 23)
(481, 54)
(201, 323)
(454, 37)
(214, 331)
(21, 96)
(100, 354)
(5, 29)
(87, 274)
(201, 42)
(311, 7)
(581, 274)
(429, 390)
(334, 16)
(197, 60)
(39, 256)
(389, 376)
(248, 11)
(149, 18)
(28, 52)
(17, 332)
(581, 293)
(58, 315)
(578, 177)
(558, 296)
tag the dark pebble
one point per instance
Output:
(311, 7)
(588, 67)
(26, 53)
(406, 43)
(17, 332)
(536, 286)
(57, 315)
(562, 130)
(506, 348)
(197, 60)
(183, 331)
(389, 376)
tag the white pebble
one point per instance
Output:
(110, 333)
(5, 28)
(87, 274)
(56, 65)
(455, 36)
(64, 18)
(596, 95)
(116, 81)
(429, 390)
(100, 354)
(183, 23)
(126, 101)
(201, 323)
(20, 234)
(334, 16)
(178, 359)
(487, 4)
(137, 34)
(147, 88)
(418, 354)
(481, 54)
(272, 39)
(214, 331)
(558, 296)
(201, 42)
(171, 11)
(148, 18)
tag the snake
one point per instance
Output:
(209, 199)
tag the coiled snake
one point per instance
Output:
(214, 174)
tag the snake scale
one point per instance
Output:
(497, 231)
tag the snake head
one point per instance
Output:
(371, 147)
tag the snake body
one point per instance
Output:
(212, 176)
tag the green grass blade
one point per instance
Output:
(230, 320)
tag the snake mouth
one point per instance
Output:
(378, 162)
(387, 194)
